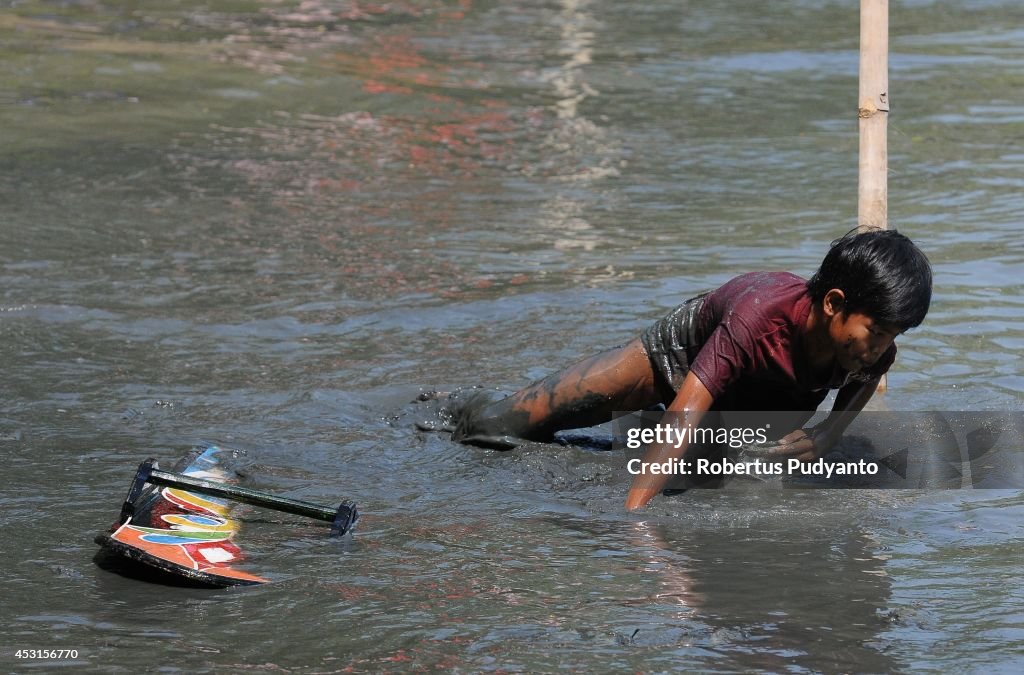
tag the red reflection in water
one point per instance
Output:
(373, 187)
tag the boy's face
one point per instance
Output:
(858, 339)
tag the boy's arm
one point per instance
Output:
(850, 400)
(689, 406)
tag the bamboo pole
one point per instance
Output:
(873, 115)
(873, 112)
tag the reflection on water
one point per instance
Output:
(583, 150)
(275, 223)
(709, 572)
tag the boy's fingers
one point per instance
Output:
(759, 450)
(804, 446)
(639, 496)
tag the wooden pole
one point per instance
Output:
(872, 109)
(873, 113)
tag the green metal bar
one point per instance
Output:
(241, 494)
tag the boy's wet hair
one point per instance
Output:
(882, 273)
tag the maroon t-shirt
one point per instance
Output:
(751, 355)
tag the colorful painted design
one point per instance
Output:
(183, 532)
(196, 502)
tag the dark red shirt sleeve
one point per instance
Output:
(725, 356)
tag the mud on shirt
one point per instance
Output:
(744, 342)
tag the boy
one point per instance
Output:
(765, 341)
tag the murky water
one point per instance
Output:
(275, 224)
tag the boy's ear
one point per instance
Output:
(834, 302)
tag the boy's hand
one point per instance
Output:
(798, 444)
(808, 445)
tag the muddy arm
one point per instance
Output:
(689, 406)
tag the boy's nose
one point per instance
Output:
(878, 347)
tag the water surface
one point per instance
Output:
(276, 224)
